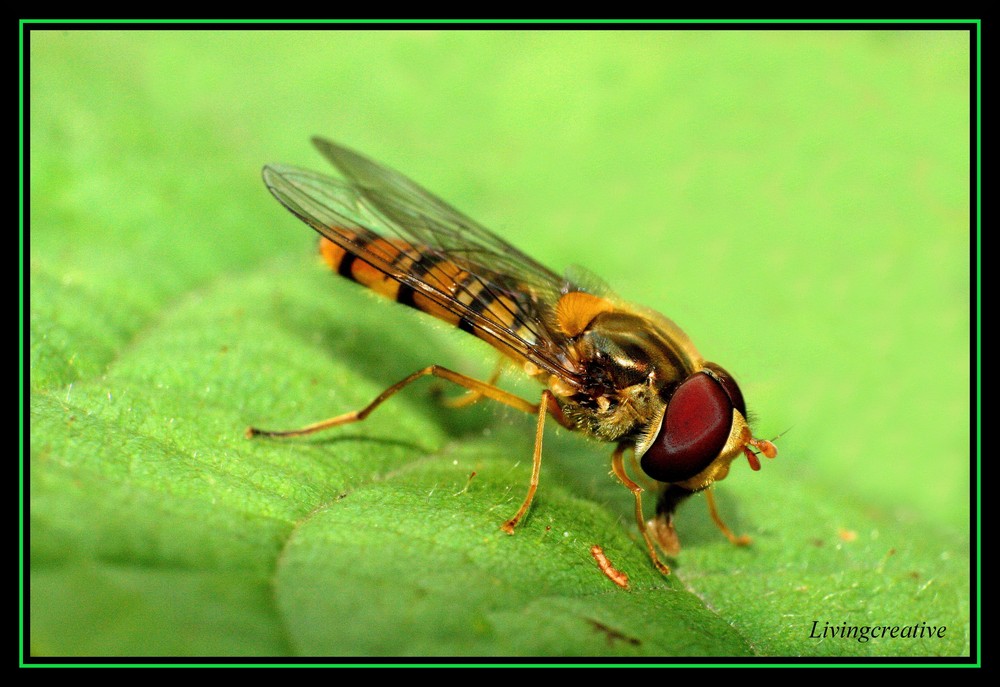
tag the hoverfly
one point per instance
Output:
(612, 370)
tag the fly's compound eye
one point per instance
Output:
(696, 425)
(729, 384)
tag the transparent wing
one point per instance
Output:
(374, 202)
(424, 219)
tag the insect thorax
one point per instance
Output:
(631, 367)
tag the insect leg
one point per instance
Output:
(618, 467)
(645, 482)
(741, 540)
(543, 409)
(474, 385)
(471, 396)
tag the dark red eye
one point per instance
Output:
(729, 384)
(695, 427)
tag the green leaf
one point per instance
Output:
(797, 202)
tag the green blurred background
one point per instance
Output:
(798, 201)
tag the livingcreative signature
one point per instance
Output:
(864, 633)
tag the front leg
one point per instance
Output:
(618, 468)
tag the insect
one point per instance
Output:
(609, 369)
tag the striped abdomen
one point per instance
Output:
(463, 295)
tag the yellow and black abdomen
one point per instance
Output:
(444, 289)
